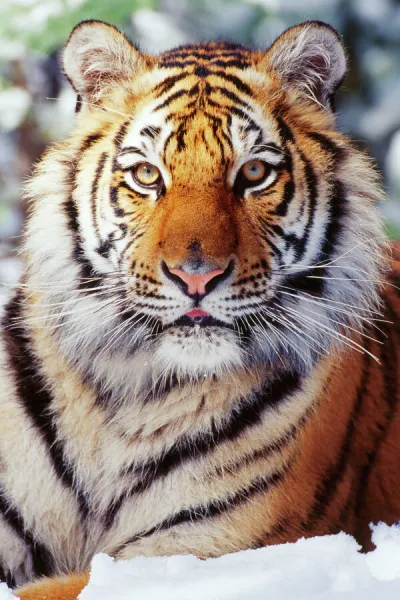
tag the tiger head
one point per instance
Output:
(204, 213)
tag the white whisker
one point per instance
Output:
(348, 341)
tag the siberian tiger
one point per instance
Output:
(201, 355)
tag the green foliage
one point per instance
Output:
(393, 230)
(51, 32)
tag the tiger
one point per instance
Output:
(201, 355)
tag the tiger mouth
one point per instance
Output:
(198, 321)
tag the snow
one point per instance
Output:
(321, 568)
(5, 593)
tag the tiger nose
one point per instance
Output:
(196, 284)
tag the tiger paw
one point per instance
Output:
(60, 588)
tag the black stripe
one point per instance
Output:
(168, 83)
(163, 387)
(209, 49)
(42, 560)
(88, 142)
(202, 70)
(342, 522)
(251, 125)
(337, 212)
(269, 538)
(389, 361)
(215, 131)
(119, 137)
(227, 111)
(183, 116)
(180, 63)
(114, 201)
(35, 397)
(166, 144)
(328, 145)
(238, 63)
(285, 132)
(128, 150)
(203, 137)
(105, 246)
(338, 202)
(213, 509)
(7, 577)
(236, 81)
(230, 95)
(208, 53)
(151, 132)
(248, 413)
(176, 95)
(227, 139)
(134, 194)
(271, 448)
(273, 248)
(336, 471)
(78, 103)
(268, 146)
(95, 186)
(311, 182)
(288, 193)
(180, 137)
(88, 277)
(301, 282)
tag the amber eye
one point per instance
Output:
(146, 174)
(254, 170)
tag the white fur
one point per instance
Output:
(97, 55)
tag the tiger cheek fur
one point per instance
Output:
(200, 356)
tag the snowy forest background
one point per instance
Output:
(37, 104)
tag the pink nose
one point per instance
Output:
(196, 283)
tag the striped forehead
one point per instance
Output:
(148, 131)
(202, 110)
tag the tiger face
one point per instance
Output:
(215, 219)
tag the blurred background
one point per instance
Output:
(37, 104)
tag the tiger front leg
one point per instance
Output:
(57, 588)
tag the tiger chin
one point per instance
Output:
(201, 355)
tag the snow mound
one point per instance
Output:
(329, 567)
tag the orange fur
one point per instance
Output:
(63, 588)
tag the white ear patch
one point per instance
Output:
(310, 57)
(96, 55)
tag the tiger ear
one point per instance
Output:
(310, 57)
(96, 56)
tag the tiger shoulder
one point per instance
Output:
(202, 353)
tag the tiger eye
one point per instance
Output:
(254, 170)
(146, 173)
